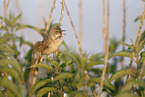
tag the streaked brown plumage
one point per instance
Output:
(52, 42)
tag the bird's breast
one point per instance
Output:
(53, 47)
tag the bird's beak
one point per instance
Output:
(63, 33)
(63, 30)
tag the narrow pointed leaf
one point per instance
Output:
(93, 63)
(45, 90)
(18, 17)
(129, 46)
(12, 72)
(75, 58)
(11, 86)
(96, 80)
(46, 66)
(10, 50)
(63, 76)
(2, 93)
(139, 17)
(123, 54)
(26, 26)
(120, 74)
(140, 46)
(38, 85)
(9, 94)
(4, 28)
(14, 64)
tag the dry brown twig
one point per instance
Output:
(18, 9)
(4, 4)
(80, 23)
(140, 27)
(79, 45)
(48, 23)
(106, 47)
(123, 32)
(48, 94)
(139, 32)
(5, 13)
(39, 59)
(61, 13)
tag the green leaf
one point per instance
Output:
(5, 38)
(27, 26)
(4, 28)
(15, 65)
(13, 72)
(120, 74)
(142, 37)
(9, 50)
(24, 42)
(93, 63)
(38, 85)
(78, 94)
(129, 46)
(96, 57)
(11, 86)
(28, 43)
(139, 17)
(140, 83)
(96, 80)
(10, 94)
(140, 46)
(76, 58)
(65, 45)
(45, 90)
(126, 95)
(46, 66)
(2, 94)
(18, 17)
(63, 76)
(113, 45)
(123, 54)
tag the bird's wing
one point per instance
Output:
(44, 44)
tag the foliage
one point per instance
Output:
(67, 73)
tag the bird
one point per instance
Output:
(52, 42)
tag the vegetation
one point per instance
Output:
(69, 73)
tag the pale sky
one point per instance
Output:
(34, 10)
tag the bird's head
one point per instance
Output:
(56, 32)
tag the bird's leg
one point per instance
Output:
(56, 52)
(48, 56)
(40, 58)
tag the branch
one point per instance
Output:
(140, 27)
(5, 13)
(61, 13)
(106, 47)
(80, 49)
(48, 24)
(80, 22)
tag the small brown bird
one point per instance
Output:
(52, 42)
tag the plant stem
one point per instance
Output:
(87, 75)
(48, 94)
(80, 23)
(80, 49)
(106, 47)
(140, 27)
(5, 13)
(4, 4)
(94, 93)
(48, 23)
(61, 13)
(124, 30)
